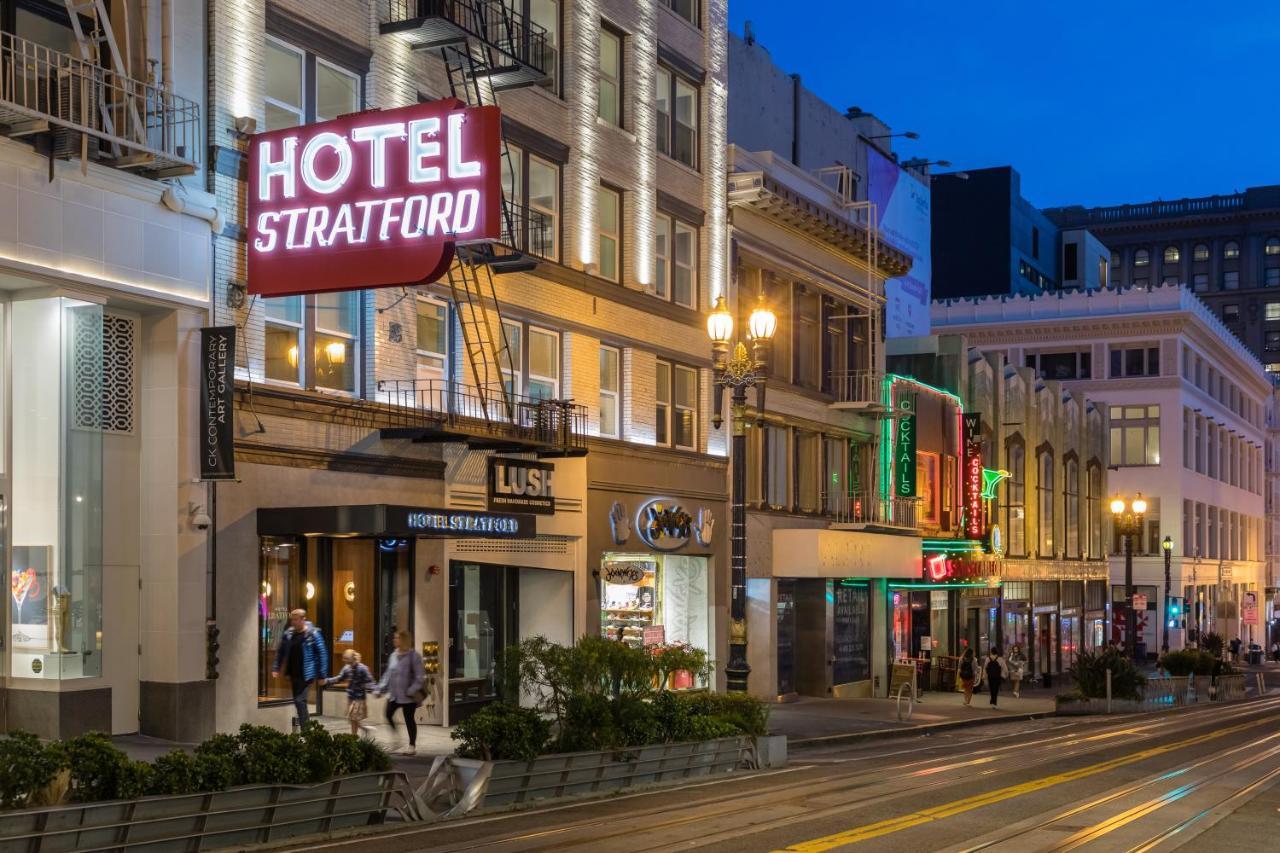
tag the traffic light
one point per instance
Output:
(211, 646)
(1176, 616)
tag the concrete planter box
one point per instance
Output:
(1157, 695)
(456, 786)
(237, 816)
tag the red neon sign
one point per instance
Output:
(974, 515)
(372, 199)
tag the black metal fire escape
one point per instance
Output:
(487, 47)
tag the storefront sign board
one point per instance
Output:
(372, 199)
(522, 484)
(655, 635)
(974, 508)
(1249, 608)
(452, 522)
(905, 458)
(1139, 601)
(217, 416)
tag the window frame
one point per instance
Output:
(695, 21)
(672, 122)
(1230, 250)
(301, 109)
(419, 353)
(667, 227)
(1200, 256)
(1172, 254)
(307, 332)
(1015, 504)
(618, 81)
(352, 337)
(1071, 507)
(299, 329)
(1141, 258)
(1046, 521)
(602, 191)
(521, 159)
(1121, 423)
(1271, 246)
(666, 410)
(615, 393)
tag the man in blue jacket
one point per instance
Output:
(303, 657)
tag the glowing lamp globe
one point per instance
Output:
(762, 323)
(1139, 505)
(720, 323)
(1117, 506)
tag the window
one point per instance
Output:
(608, 230)
(675, 260)
(1231, 313)
(806, 337)
(284, 330)
(1200, 253)
(1231, 250)
(1135, 361)
(1044, 488)
(1061, 365)
(1272, 343)
(1015, 518)
(1071, 503)
(677, 105)
(687, 9)
(1172, 255)
(808, 484)
(1035, 242)
(677, 406)
(337, 91)
(1135, 435)
(1115, 260)
(433, 339)
(1231, 280)
(835, 461)
(337, 332)
(533, 184)
(1200, 282)
(532, 368)
(302, 88)
(1273, 246)
(546, 52)
(1093, 509)
(610, 78)
(1271, 277)
(1169, 280)
(610, 389)
(1070, 261)
(1141, 258)
(777, 467)
(1272, 311)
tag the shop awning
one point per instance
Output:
(388, 520)
(822, 553)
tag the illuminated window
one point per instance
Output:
(284, 338)
(337, 91)
(609, 232)
(544, 49)
(1044, 490)
(609, 105)
(1015, 510)
(433, 339)
(677, 107)
(1272, 311)
(337, 332)
(1231, 313)
(1141, 258)
(1172, 255)
(610, 391)
(532, 186)
(1071, 503)
(1273, 246)
(927, 487)
(1200, 253)
(1135, 435)
(1272, 342)
(675, 260)
(532, 368)
(1231, 250)
(677, 406)
(325, 324)
(1093, 510)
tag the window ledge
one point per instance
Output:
(685, 167)
(683, 20)
(618, 129)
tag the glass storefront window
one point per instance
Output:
(666, 591)
(56, 572)
(280, 590)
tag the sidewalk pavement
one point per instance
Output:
(811, 720)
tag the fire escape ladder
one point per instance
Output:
(471, 286)
(90, 46)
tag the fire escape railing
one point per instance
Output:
(493, 22)
(134, 125)
(869, 509)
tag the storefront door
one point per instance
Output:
(786, 615)
(1044, 661)
(484, 602)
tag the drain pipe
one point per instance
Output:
(166, 45)
(179, 204)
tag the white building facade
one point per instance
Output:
(1186, 404)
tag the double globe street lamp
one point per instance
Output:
(738, 371)
(1129, 518)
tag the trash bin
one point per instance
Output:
(1255, 658)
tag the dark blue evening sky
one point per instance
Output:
(1093, 102)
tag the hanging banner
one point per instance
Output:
(972, 482)
(1249, 609)
(217, 385)
(372, 199)
(905, 458)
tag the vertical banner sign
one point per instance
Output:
(974, 516)
(905, 458)
(1249, 609)
(217, 383)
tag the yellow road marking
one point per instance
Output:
(896, 824)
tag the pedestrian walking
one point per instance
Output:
(968, 673)
(1017, 668)
(402, 680)
(303, 657)
(358, 679)
(1235, 649)
(1275, 652)
(996, 670)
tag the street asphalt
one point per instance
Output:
(1202, 777)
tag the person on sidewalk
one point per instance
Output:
(358, 679)
(968, 673)
(303, 657)
(402, 680)
(1235, 649)
(996, 670)
(1017, 668)
(1275, 652)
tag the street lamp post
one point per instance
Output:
(1129, 519)
(738, 371)
(1167, 547)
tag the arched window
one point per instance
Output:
(1044, 466)
(1273, 246)
(1172, 255)
(1093, 509)
(1231, 250)
(1015, 505)
(1071, 503)
(1141, 258)
(1200, 253)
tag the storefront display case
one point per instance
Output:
(655, 599)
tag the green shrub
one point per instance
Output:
(100, 771)
(27, 767)
(501, 731)
(1089, 671)
(634, 722)
(373, 758)
(746, 713)
(1213, 644)
(588, 724)
(270, 757)
(711, 728)
(1191, 662)
(217, 772)
(320, 757)
(175, 772)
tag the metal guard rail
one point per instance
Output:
(528, 230)
(857, 386)
(862, 508)
(38, 83)
(492, 21)
(446, 404)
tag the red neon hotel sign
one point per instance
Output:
(372, 199)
